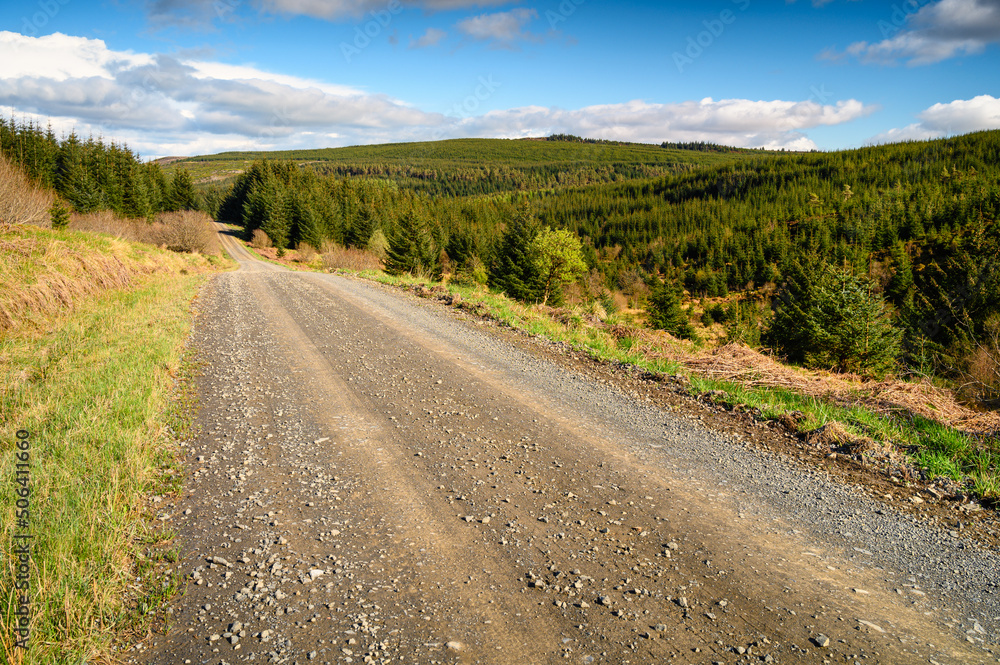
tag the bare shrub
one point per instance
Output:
(260, 240)
(632, 285)
(980, 373)
(306, 252)
(21, 201)
(350, 258)
(187, 231)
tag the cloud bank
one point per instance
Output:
(958, 117)
(932, 33)
(161, 104)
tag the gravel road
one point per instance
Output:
(378, 479)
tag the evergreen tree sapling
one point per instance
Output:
(665, 312)
(515, 270)
(830, 318)
(59, 216)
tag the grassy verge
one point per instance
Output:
(93, 388)
(925, 445)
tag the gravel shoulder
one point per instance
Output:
(378, 479)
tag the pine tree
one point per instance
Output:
(790, 331)
(831, 318)
(665, 312)
(59, 216)
(854, 331)
(307, 225)
(514, 270)
(362, 228)
(182, 195)
(266, 209)
(410, 249)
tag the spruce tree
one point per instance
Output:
(514, 270)
(59, 216)
(791, 331)
(362, 227)
(182, 194)
(410, 249)
(830, 318)
(665, 312)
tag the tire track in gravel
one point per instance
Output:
(374, 482)
(403, 494)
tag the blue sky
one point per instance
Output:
(184, 77)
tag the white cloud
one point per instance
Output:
(502, 29)
(61, 57)
(958, 117)
(80, 83)
(737, 122)
(162, 105)
(219, 70)
(936, 32)
(432, 37)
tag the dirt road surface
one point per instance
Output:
(379, 479)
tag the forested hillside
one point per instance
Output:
(910, 228)
(918, 220)
(475, 167)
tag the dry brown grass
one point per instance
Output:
(738, 363)
(349, 258)
(21, 201)
(185, 231)
(45, 272)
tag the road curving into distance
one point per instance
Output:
(380, 479)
